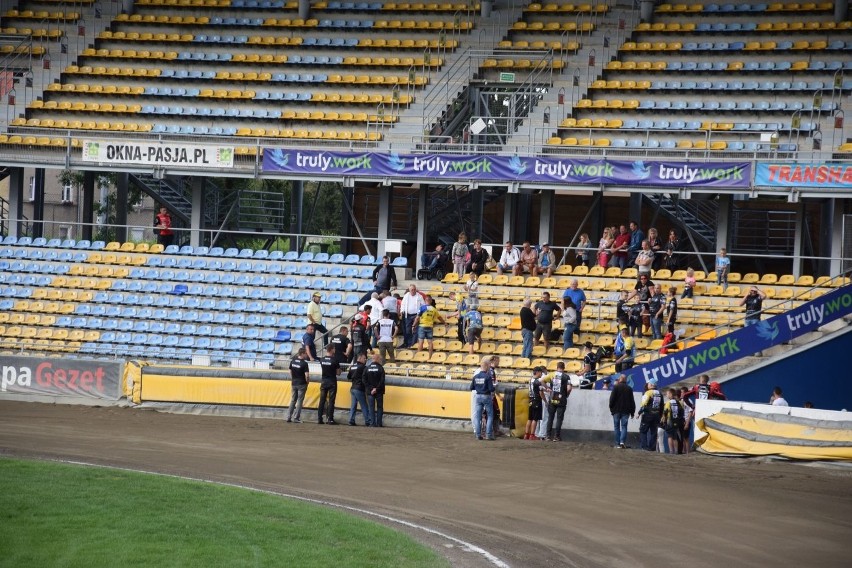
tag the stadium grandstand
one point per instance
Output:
(508, 121)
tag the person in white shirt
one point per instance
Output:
(375, 314)
(508, 259)
(385, 330)
(409, 309)
(777, 398)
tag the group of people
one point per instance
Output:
(627, 246)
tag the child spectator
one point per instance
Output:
(460, 254)
(669, 339)
(723, 266)
(688, 284)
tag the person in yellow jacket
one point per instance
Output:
(650, 411)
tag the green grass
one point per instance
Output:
(62, 515)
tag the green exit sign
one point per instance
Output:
(507, 77)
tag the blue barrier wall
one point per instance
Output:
(821, 374)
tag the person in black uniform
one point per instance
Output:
(356, 391)
(560, 390)
(536, 393)
(342, 345)
(590, 363)
(328, 386)
(374, 379)
(299, 379)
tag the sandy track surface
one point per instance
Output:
(528, 504)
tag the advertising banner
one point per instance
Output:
(509, 168)
(743, 342)
(158, 154)
(821, 176)
(62, 377)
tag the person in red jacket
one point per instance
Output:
(163, 224)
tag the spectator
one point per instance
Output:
(569, 322)
(687, 420)
(328, 386)
(583, 252)
(356, 391)
(619, 248)
(483, 387)
(460, 254)
(688, 284)
(472, 289)
(546, 262)
(589, 372)
(308, 342)
(702, 391)
(644, 258)
(425, 323)
(409, 307)
(315, 315)
(391, 304)
(668, 340)
(605, 248)
(545, 311)
(624, 351)
(376, 308)
(777, 398)
(622, 406)
(636, 238)
(385, 331)
(634, 324)
(622, 311)
(656, 247)
(527, 328)
(374, 378)
(163, 227)
(508, 259)
(299, 378)
(672, 246)
(606, 384)
(527, 261)
(673, 422)
(384, 278)
(360, 325)
(753, 302)
(656, 307)
(342, 345)
(473, 329)
(641, 289)
(459, 314)
(723, 267)
(650, 411)
(578, 297)
(478, 258)
(671, 307)
(432, 260)
(536, 396)
(559, 384)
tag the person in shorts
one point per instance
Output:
(536, 392)
(545, 311)
(473, 329)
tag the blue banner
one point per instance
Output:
(508, 168)
(820, 175)
(708, 355)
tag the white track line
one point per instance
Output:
(493, 560)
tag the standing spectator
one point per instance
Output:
(472, 289)
(163, 224)
(753, 302)
(669, 339)
(384, 278)
(460, 254)
(546, 262)
(374, 377)
(624, 351)
(656, 307)
(356, 391)
(545, 311)
(299, 378)
(328, 386)
(425, 324)
(619, 248)
(578, 297)
(527, 261)
(508, 259)
(777, 398)
(671, 307)
(622, 311)
(589, 371)
(478, 258)
(560, 389)
(673, 422)
(584, 251)
(385, 331)
(360, 325)
(473, 329)
(605, 248)
(644, 258)
(569, 322)
(315, 315)
(701, 391)
(672, 246)
(483, 387)
(723, 267)
(688, 284)
(656, 246)
(409, 307)
(375, 315)
(459, 314)
(650, 411)
(636, 238)
(342, 345)
(536, 395)
(527, 328)
(622, 406)
(308, 342)
(391, 304)
(687, 420)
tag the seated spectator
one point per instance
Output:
(509, 259)
(546, 262)
(478, 258)
(527, 261)
(431, 260)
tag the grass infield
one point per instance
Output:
(63, 515)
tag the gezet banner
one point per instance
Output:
(61, 377)
(158, 154)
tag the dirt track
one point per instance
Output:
(527, 503)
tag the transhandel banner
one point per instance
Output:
(509, 168)
(61, 377)
(821, 175)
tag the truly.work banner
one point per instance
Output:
(743, 342)
(509, 168)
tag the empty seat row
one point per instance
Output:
(39, 33)
(768, 66)
(553, 27)
(723, 46)
(703, 145)
(783, 86)
(42, 15)
(567, 8)
(265, 4)
(410, 25)
(711, 105)
(522, 64)
(739, 27)
(663, 124)
(734, 8)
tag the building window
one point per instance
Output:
(32, 189)
(68, 194)
(65, 232)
